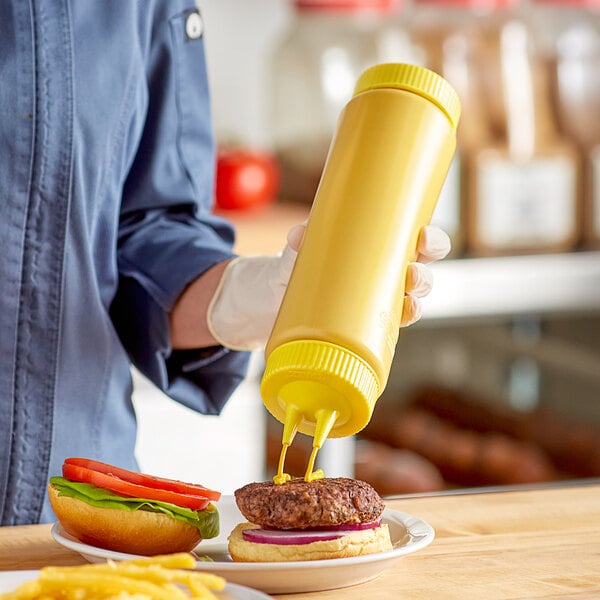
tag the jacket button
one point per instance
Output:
(194, 26)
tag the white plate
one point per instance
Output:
(10, 580)
(408, 535)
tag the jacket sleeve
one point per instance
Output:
(167, 234)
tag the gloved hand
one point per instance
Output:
(433, 244)
(243, 309)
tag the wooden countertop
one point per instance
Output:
(264, 231)
(537, 543)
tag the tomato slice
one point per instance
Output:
(162, 483)
(134, 490)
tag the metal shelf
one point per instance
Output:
(465, 287)
(515, 285)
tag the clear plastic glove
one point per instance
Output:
(242, 312)
(433, 244)
(243, 309)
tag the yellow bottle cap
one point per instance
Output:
(412, 78)
(320, 389)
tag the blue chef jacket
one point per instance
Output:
(106, 174)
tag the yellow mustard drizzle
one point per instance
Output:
(309, 476)
(281, 477)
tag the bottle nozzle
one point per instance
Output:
(325, 421)
(293, 418)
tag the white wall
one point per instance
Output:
(223, 452)
(240, 36)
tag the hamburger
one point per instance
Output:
(297, 521)
(120, 510)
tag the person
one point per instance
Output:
(111, 255)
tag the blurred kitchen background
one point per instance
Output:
(499, 383)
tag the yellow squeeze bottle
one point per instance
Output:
(330, 352)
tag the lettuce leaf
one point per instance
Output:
(206, 521)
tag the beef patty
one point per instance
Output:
(298, 504)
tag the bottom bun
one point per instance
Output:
(366, 541)
(133, 532)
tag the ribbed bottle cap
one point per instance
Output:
(313, 376)
(416, 79)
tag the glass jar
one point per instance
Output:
(445, 32)
(568, 37)
(314, 69)
(523, 185)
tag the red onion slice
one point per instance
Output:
(304, 536)
(285, 537)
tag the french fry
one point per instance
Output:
(166, 577)
(108, 584)
(29, 589)
(178, 560)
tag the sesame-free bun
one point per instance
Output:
(137, 532)
(357, 543)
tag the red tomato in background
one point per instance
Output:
(246, 179)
